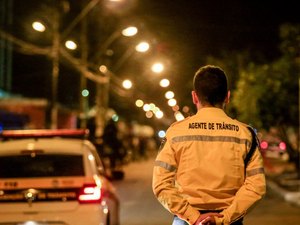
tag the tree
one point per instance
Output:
(268, 95)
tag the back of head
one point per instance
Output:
(210, 85)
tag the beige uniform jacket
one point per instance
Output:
(201, 167)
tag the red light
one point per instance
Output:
(90, 194)
(264, 145)
(282, 145)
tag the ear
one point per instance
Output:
(227, 99)
(195, 98)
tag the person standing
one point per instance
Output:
(209, 169)
(112, 142)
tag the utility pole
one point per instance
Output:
(299, 129)
(102, 99)
(6, 46)
(83, 100)
(55, 68)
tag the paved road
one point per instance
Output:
(139, 207)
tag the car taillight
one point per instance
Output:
(282, 145)
(90, 194)
(264, 145)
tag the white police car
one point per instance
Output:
(50, 177)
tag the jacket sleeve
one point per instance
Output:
(164, 186)
(253, 189)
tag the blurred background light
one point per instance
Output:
(161, 133)
(103, 69)
(186, 109)
(159, 114)
(71, 45)
(152, 106)
(157, 67)
(164, 83)
(127, 84)
(178, 116)
(130, 31)
(156, 109)
(115, 117)
(38, 26)
(85, 93)
(139, 103)
(175, 108)
(146, 107)
(172, 102)
(142, 47)
(149, 114)
(169, 94)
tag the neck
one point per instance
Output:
(207, 105)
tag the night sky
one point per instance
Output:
(199, 28)
(184, 32)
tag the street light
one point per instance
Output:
(139, 103)
(164, 83)
(157, 67)
(142, 47)
(178, 116)
(103, 69)
(169, 94)
(71, 45)
(127, 84)
(159, 114)
(130, 31)
(146, 107)
(38, 26)
(85, 93)
(172, 102)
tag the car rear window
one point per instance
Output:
(22, 166)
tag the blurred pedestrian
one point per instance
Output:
(209, 169)
(113, 144)
(143, 147)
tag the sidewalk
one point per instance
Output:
(292, 197)
(282, 180)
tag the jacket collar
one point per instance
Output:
(209, 111)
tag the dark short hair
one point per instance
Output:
(210, 85)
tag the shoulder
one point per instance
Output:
(241, 123)
(178, 127)
(252, 129)
(247, 129)
(244, 125)
(181, 122)
(251, 132)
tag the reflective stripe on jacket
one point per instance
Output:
(201, 167)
